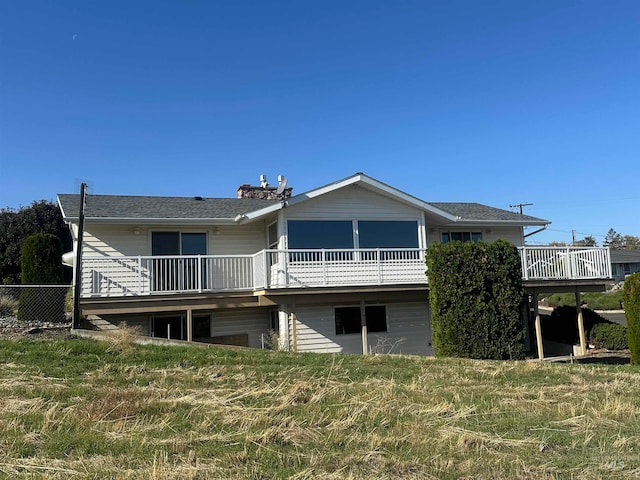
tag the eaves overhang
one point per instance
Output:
(498, 223)
(154, 221)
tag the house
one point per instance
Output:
(339, 268)
(624, 263)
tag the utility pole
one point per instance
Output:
(573, 237)
(520, 205)
(77, 270)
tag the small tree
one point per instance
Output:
(42, 265)
(613, 240)
(588, 241)
(631, 298)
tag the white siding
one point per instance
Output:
(113, 240)
(316, 332)
(511, 234)
(250, 321)
(352, 203)
(238, 240)
(120, 240)
(409, 331)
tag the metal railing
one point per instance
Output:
(565, 263)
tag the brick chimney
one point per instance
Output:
(263, 191)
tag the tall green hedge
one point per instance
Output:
(42, 265)
(631, 299)
(42, 260)
(477, 299)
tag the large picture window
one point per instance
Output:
(320, 234)
(348, 319)
(381, 234)
(307, 234)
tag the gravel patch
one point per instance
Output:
(11, 327)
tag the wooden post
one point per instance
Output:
(583, 340)
(363, 323)
(189, 325)
(538, 325)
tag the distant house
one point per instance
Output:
(339, 268)
(623, 263)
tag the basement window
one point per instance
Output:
(348, 319)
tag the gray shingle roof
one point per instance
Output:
(146, 207)
(625, 256)
(142, 207)
(479, 212)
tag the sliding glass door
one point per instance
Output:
(171, 273)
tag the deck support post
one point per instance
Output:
(189, 325)
(283, 327)
(583, 340)
(363, 320)
(538, 325)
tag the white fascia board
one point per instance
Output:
(64, 215)
(497, 223)
(257, 214)
(156, 221)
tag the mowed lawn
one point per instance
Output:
(77, 408)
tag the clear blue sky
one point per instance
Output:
(498, 102)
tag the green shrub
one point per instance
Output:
(476, 298)
(595, 300)
(631, 298)
(611, 336)
(42, 260)
(42, 265)
(558, 299)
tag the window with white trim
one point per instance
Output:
(348, 319)
(461, 236)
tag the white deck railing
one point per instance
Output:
(278, 269)
(565, 263)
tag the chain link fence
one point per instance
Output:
(35, 304)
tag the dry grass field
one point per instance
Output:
(72, 408)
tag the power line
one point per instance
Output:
(520, 205)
